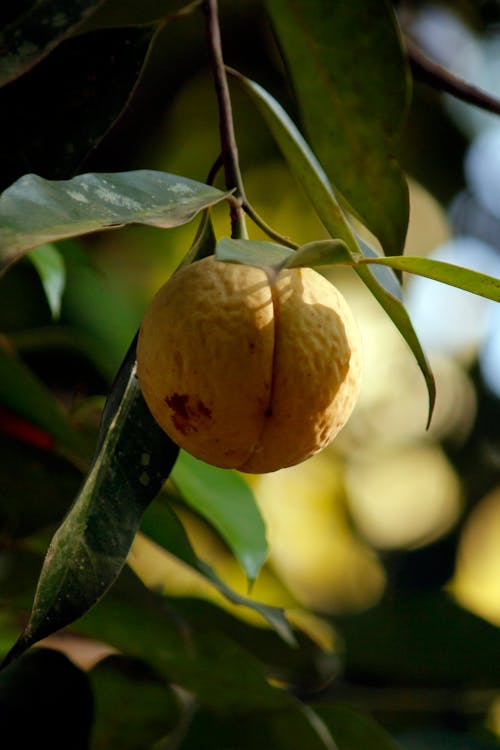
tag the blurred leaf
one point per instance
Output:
(201, 659)
(162, 526)
(30, 498)
(293, 728)
(49, 263)
(88, 551)
(34, 210)
(61, 110)
(45, 701)
(446, 273)
(346, 59)
(226, 501)
(351, 730)
(36, 31)
(151, 712)
(402, 640)
(25, 395)
(306, 667)
(444, 739)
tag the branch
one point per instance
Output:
(427, 71)
(226, 125)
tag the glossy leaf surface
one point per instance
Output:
(351, 111)
(34, 210)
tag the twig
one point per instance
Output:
(430, 72)
(259, 221)
(226, 125)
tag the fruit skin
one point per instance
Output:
(245, 375)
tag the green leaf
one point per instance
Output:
(114, 13)
(88, 551)
(152, 708)
(163, 527)
(45, 701)
(304, 165)
(413, 625)
(397, 313)
(224, 498)
(320, 253)
(252, 252)
(51, 268)
(447, 273)
(61, 109)
(199, 658)
(351, 730)
(292, 728)
(34, 211)
(36, 31)
(25, 395)
(310, 174)
(350, 77)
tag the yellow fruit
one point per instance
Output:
(245, 375)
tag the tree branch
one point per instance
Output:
(226, 125)
(428, 71)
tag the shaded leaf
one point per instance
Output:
(36, 31)
(446, 273)
(418, 638)
(45, 701)
(49, 263)
(31, 499)
(25, 395)
(351, 730)
(89, 549)
(220, 673)
(303, 163)
(350, 77)
(163, 527)
(226, 501)
(114, 13)
(310, 174)
(34, 210)
(152, 708)
(61, 110)
(292, 728)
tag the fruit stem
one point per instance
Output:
(226, 125)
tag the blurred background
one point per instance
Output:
(387, 545)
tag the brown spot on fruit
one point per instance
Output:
(204, 410)
(187, 416)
